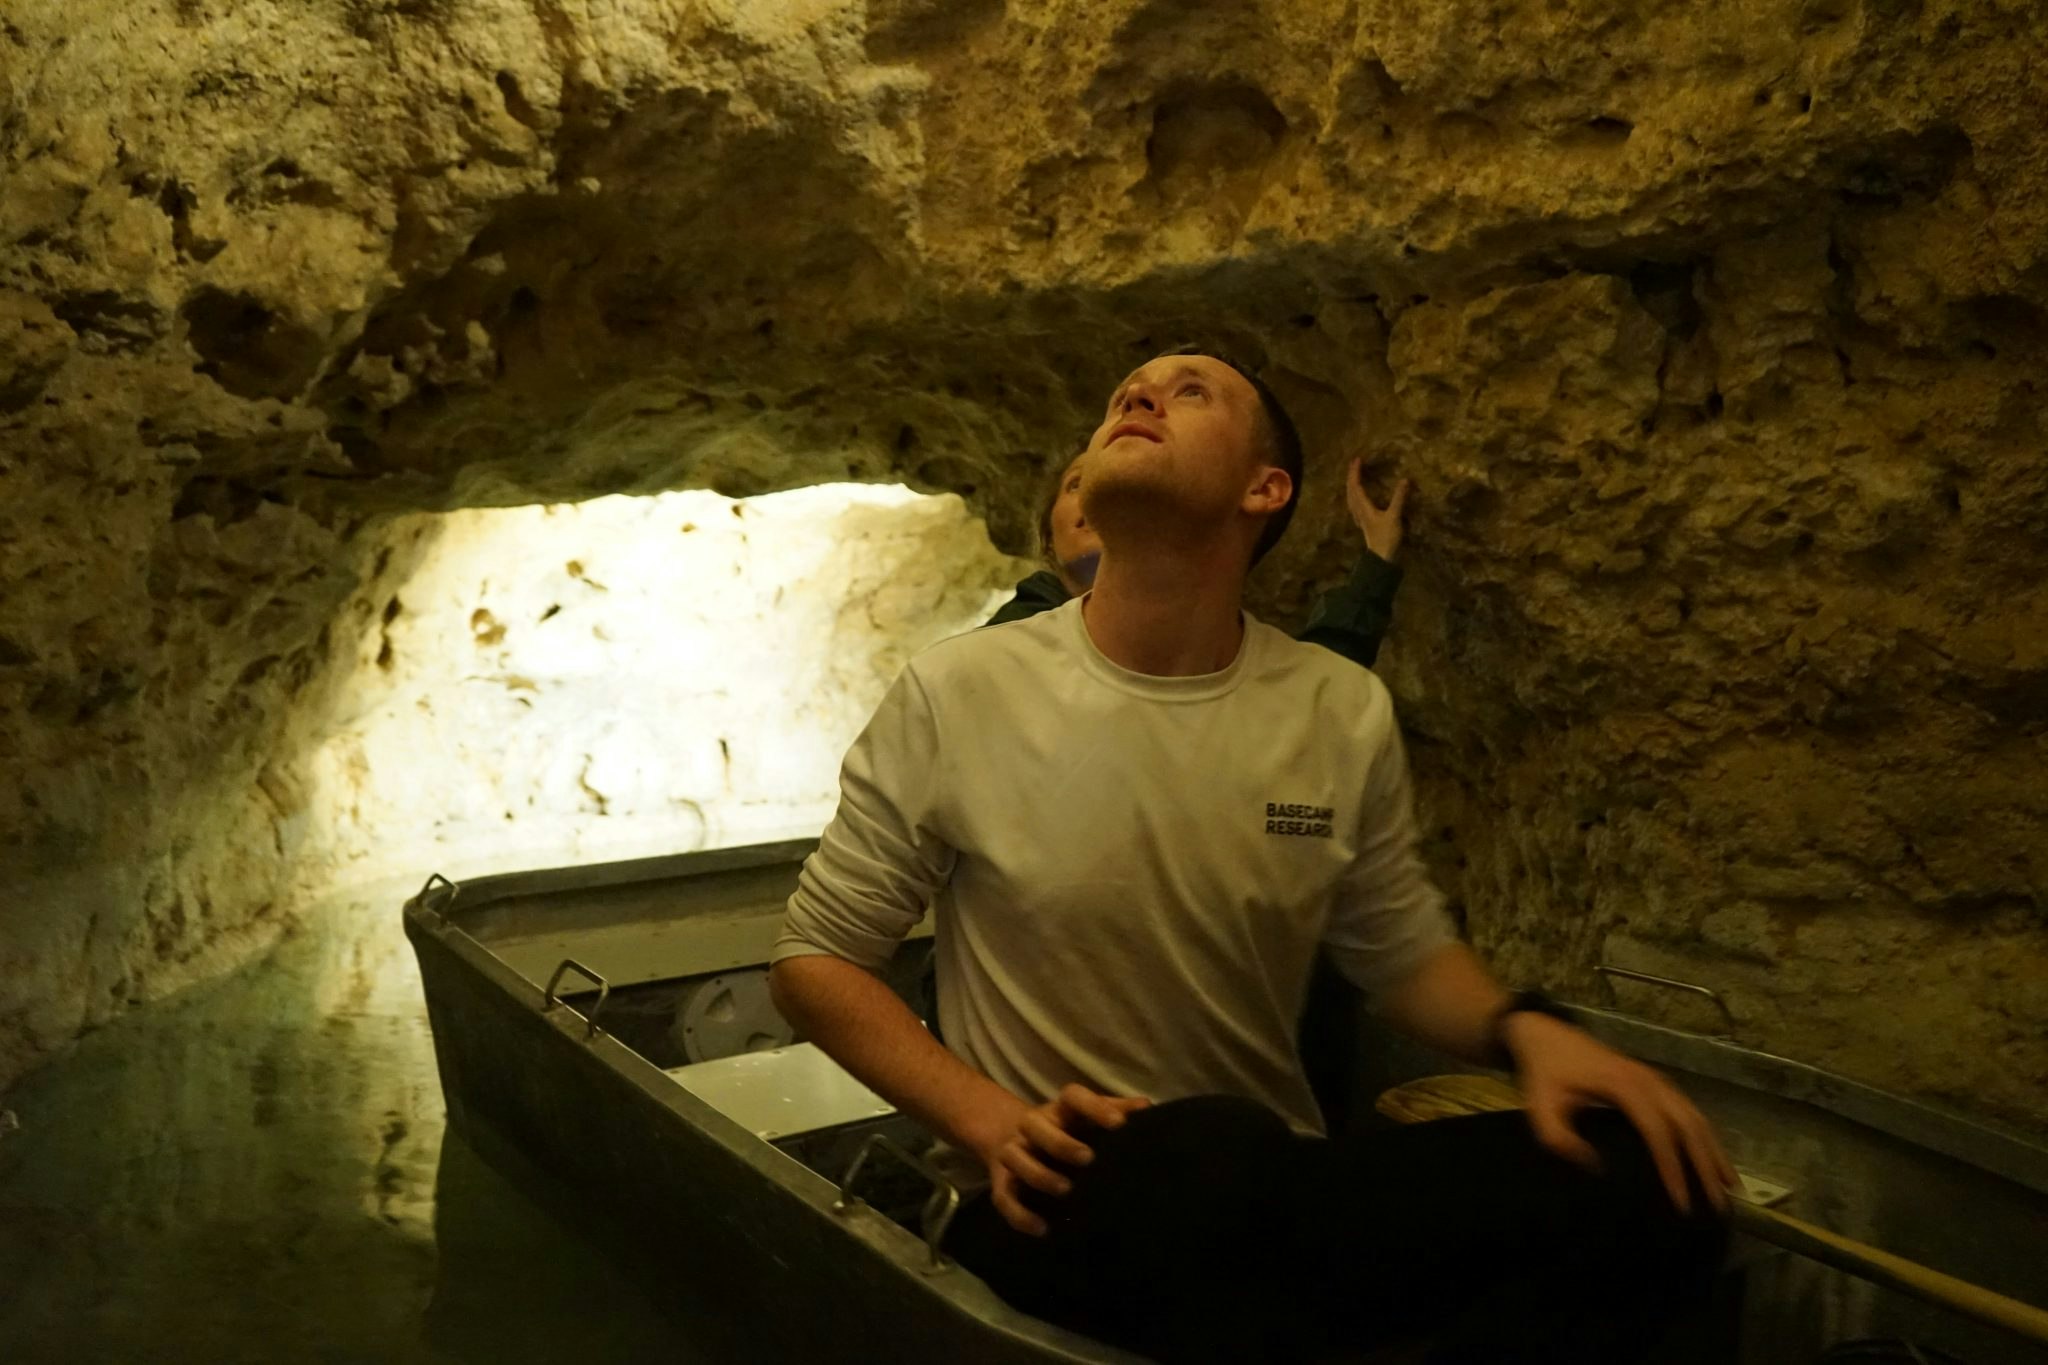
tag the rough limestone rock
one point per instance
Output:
(623, 677)
(1712, 332)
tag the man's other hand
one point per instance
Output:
(1382, 525)
(1017, 1150)
(1563, 1069)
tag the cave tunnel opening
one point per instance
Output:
(623, 677)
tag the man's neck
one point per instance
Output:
(1168, 614)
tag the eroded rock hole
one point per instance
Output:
(247, 348)
(1220, 130)
(108, 322)
(516, 103)
(907, 30)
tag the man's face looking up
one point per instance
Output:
(1177, 446)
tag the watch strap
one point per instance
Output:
(1531, 1002)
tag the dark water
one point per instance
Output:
(257, 1170)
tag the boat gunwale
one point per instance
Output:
(1977, 1142)
(1973, 1140)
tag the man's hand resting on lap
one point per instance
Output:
(1017, 1144)
(1562, 1070)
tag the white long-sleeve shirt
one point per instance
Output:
(1129, 874)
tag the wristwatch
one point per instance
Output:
(1533, 1002)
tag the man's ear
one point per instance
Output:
(1269, 492)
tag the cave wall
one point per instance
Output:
(1712, 332)
(621, 678)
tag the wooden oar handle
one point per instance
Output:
(1895, 1272)
(1435, 1097)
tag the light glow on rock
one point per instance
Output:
(630, 676)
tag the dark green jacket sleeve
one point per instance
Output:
(1353, 619)
(1041, 592)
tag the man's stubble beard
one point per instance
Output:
(1130, 507)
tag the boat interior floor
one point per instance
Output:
(718, 1036)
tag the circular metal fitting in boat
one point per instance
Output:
(728, 1014)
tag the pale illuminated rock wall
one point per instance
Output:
(1711, 330)
(627, 677)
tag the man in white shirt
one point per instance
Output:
(1135, 818)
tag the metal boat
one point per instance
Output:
(567, 1007)
(611, 1023)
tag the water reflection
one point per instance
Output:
(258, 1171)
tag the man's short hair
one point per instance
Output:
(1277, 435)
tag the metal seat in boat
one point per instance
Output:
(781, 1093)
